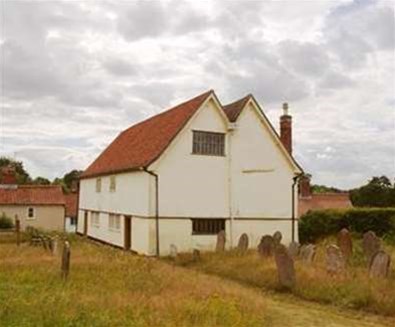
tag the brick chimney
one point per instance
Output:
(304, 186)
(8, 175)
(286, 129)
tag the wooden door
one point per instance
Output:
(128, 233)
(85, 223)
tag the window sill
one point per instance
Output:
(204, 234)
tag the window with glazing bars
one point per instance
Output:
(207, 226)
(208, 143)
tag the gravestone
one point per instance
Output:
(335, 260)
(243, 243)
(173, 251)
(221, 239)
(277, 236)
(293, 249)
(266, 246)
(285, 266)
(307, 253)
(370, 244)
(380, 265)
(196, 255)
(54, 245)
(344, 242)
(65, 260)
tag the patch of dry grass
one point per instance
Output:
(354, 289)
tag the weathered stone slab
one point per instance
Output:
(371, 245)
(266, 246)
(344, 242)
(307, 253)
(335, 260)
(285, 266)
(380, 265)
(221, 239)
(293, 249)
(277, 237)
(196, 255)
(243, 243)
(173, 251)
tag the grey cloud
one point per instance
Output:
(333, 81)
(120, 67)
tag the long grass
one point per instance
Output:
(352, 289)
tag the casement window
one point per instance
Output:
(31, 213)
(207, 226)
(114, 222)
(208, 143)
(113, 183)
(98, 185)
(95, 219)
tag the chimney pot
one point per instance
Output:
(286, 129)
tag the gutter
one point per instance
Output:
(295, 181)
(156, 206)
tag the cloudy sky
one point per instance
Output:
(75, 73)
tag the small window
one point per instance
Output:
(207, 226)
(113, 183)
(208, 143)
(114, 222)
(95, 219)
(30, 213)
(73, 221)
(98, 185)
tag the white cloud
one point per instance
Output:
(75, 73)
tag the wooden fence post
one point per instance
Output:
(66, 260)
(18, 230)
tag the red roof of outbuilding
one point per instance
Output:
(141, 144)
(71, 204)
(32, 194)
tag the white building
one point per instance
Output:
(183, 175)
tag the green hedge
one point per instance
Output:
(322, 223)
(5, 222)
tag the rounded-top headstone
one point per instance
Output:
(266, 246)
(344, 242)
(243, 243)
(173, 251)
(380, 265)
(335, 260)
(221, 239)
(277, 237)
(370, 244)
(307, 253)
(285, 266)
(293, 249)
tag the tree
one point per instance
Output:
(67, 180)
(378, 192)
(41, 181)
(22, 176)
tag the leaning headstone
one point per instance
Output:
(307, 253)
(196, 255)
(243, 243)
(221, 239)
(370, 244)
(173, 251)
(344, 242)
(277, 236)
(54, 246)
(266, 246)
(285, 266)
(380, 265)
(335, 260)
(293, 249)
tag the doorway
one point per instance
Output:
(128, 233)
(85, 223)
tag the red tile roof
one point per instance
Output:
(71, 204)
(141, 144)
(233, 110)
(32, 194)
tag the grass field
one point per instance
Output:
(352, 290)
(109, 287)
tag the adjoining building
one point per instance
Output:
(39, 206)
(180, 177)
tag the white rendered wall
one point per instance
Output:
(193, 185)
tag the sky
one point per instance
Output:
(76, 73)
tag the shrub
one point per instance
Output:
(318, 224)
(5, 222)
